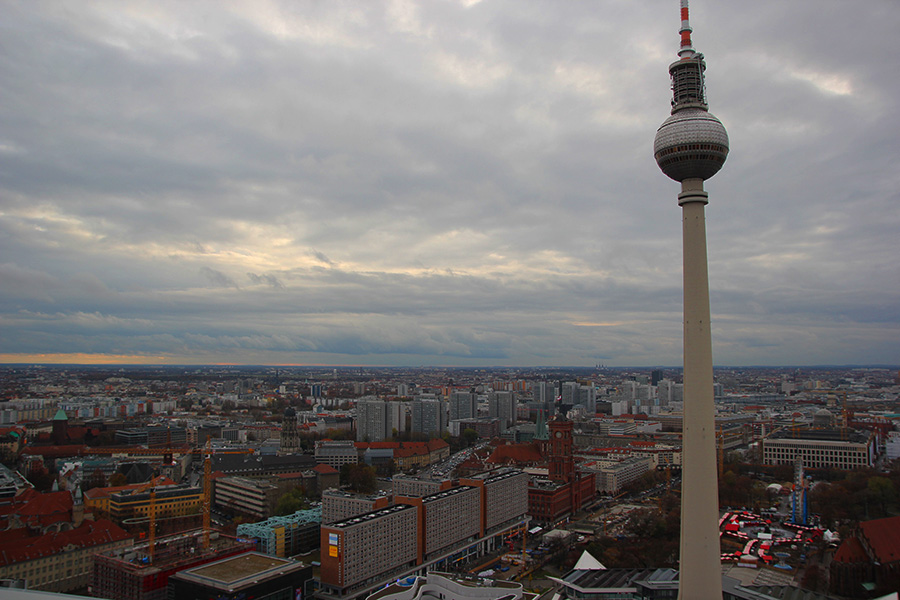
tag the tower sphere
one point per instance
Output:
(691, 144)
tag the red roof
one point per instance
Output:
(437, 444)
(103, 492)
(516, 454)
(851, 551)
(38, 510)
(883, 537)
(323, 469)
(90, 533)
(56, 451)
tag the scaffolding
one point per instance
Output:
(141, 573)
(285, 536)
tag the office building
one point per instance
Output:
(336, 453)
(252, 498)
(821, 448)
(170, 501)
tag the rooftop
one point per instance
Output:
(233, 569)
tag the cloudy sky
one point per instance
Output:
(444, 182)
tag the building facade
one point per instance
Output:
(821, 448)
(254, 498)
(428, 417)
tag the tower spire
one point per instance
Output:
(687, 50)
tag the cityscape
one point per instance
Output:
(123, 482)
(374, 302)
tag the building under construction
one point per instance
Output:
(142, 572)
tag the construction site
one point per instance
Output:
(142, 572)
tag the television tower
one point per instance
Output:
(690, 147)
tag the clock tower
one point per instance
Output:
(562, 463)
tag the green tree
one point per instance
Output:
(291, 502)
(882, 491)
(469, 436)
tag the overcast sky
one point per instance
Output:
(440, 182)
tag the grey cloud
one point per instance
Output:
(218, 278)
(478, 187)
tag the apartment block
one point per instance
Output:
(338, 505)
(416, 487)
(446, 519)
(504, 497)
(359, 552)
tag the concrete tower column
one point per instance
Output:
(700, 552)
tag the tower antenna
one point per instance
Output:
(687, 50)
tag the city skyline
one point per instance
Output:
(458, 184)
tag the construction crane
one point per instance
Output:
(207, 493)
(152, 537)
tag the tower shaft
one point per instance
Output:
(700, 574)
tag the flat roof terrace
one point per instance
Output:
(236, 571)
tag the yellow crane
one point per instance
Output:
(207, 493)
(152, 536)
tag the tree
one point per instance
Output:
(469, 436)
(291, 502)
(117, 479)
(41, 479)
(360, 478)
(883, 492)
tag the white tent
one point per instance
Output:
(588, 563)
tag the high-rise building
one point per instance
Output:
(503, 406)
(543, 392)
(690, 147)
(290, 436)
(428, 417)
(377, 420)
(421, 533)
(463, 405)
